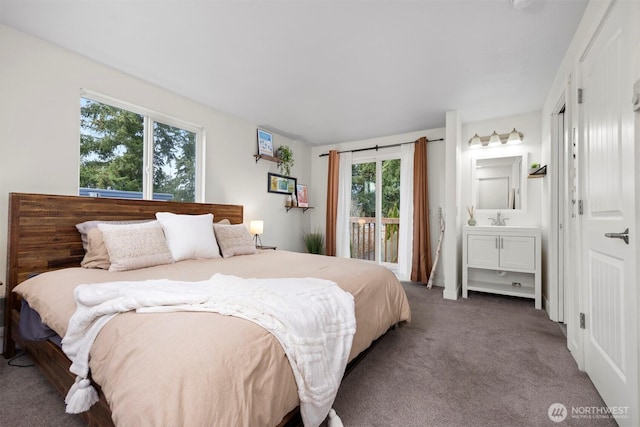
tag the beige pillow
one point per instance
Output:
(84, 227)
(224, 221)
(234, 240)
(135, 246)
(97, 255)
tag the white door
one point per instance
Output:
(611, 335)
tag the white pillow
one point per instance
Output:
(189, 236)
(135, 246)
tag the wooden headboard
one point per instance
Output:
(42, 235)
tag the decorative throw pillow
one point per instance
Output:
(133, 246)
(224, 221)
(189, 236)
(97, 255)
(84, 227)
(234, 240)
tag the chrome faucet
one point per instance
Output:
(499, 220)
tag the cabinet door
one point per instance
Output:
(482, 251)
(518, 252)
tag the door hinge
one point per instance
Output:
(580, 96)
(580, 208)
(582, 321)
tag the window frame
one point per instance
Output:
(151, 116)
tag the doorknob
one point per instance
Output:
(624, 235)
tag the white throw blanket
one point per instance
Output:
(313, 319)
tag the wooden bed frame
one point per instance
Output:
(42, 237)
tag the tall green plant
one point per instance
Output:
(314, 243)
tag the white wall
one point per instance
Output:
(452, 244)
(435, 154)
(39, 136)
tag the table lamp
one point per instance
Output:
(256, 227)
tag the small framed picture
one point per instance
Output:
(265, 143)
(302, 195)
(281, 184)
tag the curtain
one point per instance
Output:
(343, 222)
(405, 237)
(332, 202)
(421, 254)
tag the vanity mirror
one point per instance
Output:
(499, 182)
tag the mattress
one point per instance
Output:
(204, 368)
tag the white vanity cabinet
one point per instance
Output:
(502, 260)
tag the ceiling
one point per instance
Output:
(324, 71)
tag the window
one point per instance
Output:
(128, 152)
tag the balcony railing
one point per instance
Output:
(363, 244)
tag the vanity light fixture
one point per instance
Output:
(515, 137)
(475, 142)
(495, 139)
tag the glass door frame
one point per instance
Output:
(378, 158)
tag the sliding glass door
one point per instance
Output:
(375, 210)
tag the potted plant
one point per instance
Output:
(534, 167)
(314, 243)
(285, 155)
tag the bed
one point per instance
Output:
(171, 356)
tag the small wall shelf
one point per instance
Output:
(264, 156)
(304, 209)
(539, 172)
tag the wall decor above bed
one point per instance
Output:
(281, 184)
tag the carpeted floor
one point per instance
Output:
(484, 361)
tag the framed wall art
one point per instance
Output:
(281, 184)
(265, 143)
(302, 195)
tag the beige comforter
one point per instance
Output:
(205, 369)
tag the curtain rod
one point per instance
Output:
(377, 147)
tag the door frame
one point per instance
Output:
(564, 253)
(557, 185)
